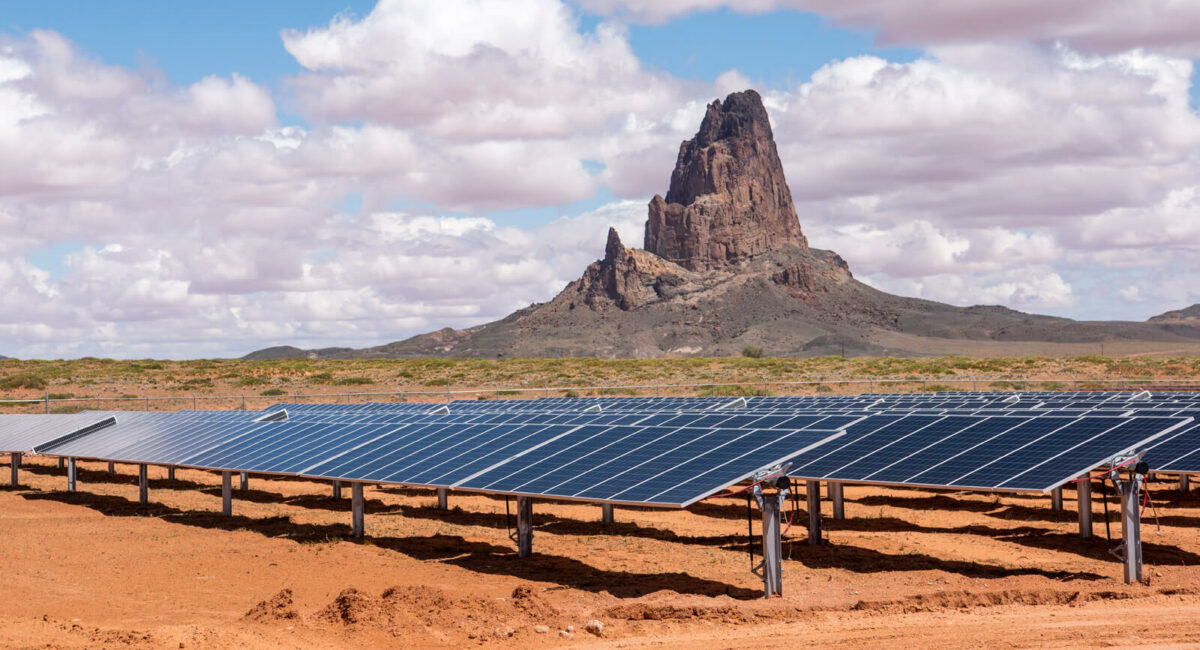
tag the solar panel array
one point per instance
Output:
(654, 450)
(21, 433)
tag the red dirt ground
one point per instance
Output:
(907, 569)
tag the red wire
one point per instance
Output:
(1101, 475)
(789, 526)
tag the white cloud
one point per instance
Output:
(1037, 176)
(1097, 25)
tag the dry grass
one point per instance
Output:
(184, 384)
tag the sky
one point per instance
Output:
(182, 180)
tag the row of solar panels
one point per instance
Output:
(636, 453)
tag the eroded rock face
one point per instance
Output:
(728, 201)
(625, 278)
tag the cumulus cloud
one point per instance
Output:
(986, 173)
(1096, 25)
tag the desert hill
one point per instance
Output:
(726, 265)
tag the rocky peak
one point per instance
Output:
(625, 279)
(728, 201)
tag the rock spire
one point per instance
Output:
(728, 201)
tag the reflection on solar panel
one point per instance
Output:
(1178, 451)
(990, 453)
(22, 433)
(658, 466)
(157, 438)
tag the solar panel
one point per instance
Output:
(1178, 451)
(157, 438)
(21, 433)
(659, 466)
(992, 453)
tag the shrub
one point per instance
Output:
(732, 391)
(69, 409)
(937, 388)
(61, 395)
(273, 392)
(251, 381)
(824, 388)
(752, 352)
(438, 382)
(22, 380)
(352, 381)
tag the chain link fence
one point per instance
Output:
(817, 386)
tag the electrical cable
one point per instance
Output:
(750, 530)
(1104, 494)
(507, 518)
(737, 492)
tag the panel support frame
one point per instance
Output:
(837, 497)
(14, 460)
(606, 513)
(143, 485)
(1056, 499)
(443, 497)
(1131, 527)
(813, 492)
(357, 510)
(71, 474)
(227, 493)
(1083, 503)
(524, 526)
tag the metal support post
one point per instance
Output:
(171, 473)
(245, 481)
(14, 460)
(443, 497)
(112, 467)
(70, 475)
(772, 548)
(1056, 499)
(1131, 527)
(1184, 483)
(1083, 501)
(62, 462)
(143, 485)
(356, 509)
(524, 526)
(772, 544)
(337, 489)
(606, 513)
(227, 493)
(835, 495)
(813, 488)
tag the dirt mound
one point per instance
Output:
(970, 599)
(279, 607)
(532, 605)
(352, 607)
(657, 612)
(431, 610)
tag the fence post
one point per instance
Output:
(147, 403)
(193, 402)
(243, 402)
(47, 401)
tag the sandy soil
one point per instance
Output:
(906, 569)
